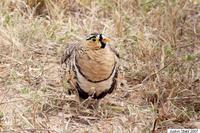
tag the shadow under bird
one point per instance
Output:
(91, 67)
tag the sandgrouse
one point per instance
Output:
(91, 67)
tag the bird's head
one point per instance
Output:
(96, 41)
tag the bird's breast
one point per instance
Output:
(96, 65)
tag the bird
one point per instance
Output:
(91, 67)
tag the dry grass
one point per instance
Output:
(158, 40)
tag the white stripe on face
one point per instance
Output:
(98, 36)
(103, 36)
(91, 36)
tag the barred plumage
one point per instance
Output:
(91, 67)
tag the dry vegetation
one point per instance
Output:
(158, 40)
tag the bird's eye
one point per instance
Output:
(94, 39)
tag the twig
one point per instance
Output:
(185, 98)
(154, 125)
(149, 76)
(12, 101)
(29, 130)
(70, 98)
(11, 58)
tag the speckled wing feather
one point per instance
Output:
(68, 52)
(115, 51)
(68, 74)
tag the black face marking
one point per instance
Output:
(91, 38)
(100, 38)
(103, 44)
(93, 35)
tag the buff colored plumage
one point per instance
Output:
(91, 67)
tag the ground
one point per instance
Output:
(159, 45)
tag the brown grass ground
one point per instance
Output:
(158, 40)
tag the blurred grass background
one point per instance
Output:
(158, 40)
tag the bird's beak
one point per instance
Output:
(106, 40)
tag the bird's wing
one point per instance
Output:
(116, 79)
(115, 51)
(68, 52)
(67, 74)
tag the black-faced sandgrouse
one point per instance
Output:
(91, 67)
